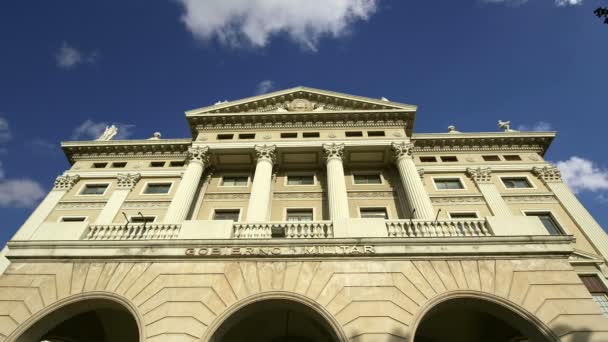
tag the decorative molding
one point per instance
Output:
(146, 204)
(265, 153)
(458, 200)
(227, 196)
(372, 194)
(80, 205)
(333, 151)
(480, 175)
(479, 142)
(198, 154)
(127, 180)
(403, 150)
(548, 174)
(530, 198)
(65, 182)
(126, 149)
(299, 195)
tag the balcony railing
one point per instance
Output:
(150, 231)
(420, 228)
(289, 230)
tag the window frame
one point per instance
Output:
(464, 185)
(84, 185)
(353, 134)
(221, 181)
(528, 179)
(300, 174)
(118, 165)
(287, 209)
(99, 165)
(449, 161)
(517, 157)
(428, 157)
(476, 212)
(154, 217)
(287, 135)
(376, 134)
(246, 136)
(145, 187)
(367, 173)
(158, 163)
(601, 278)
(310, 135)
(213, 211)
(560, 227)
(498, 158)
(60, 219)
(386, 210)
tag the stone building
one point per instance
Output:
(308, 215)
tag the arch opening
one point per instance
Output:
(476, 320)
(91, 320)
(275, 320)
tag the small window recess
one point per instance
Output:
(428, 159)
(119, 164)
(376, 134)
(491, 158)
(99, 165)
(177, 163)
(311, 135)
(73, 219)
(449, 158)
(225, 136)
(351, 134)
(289, 135)
(247, 136)
(157, 164)
(512, 157)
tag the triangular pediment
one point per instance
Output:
(581, 257)
(301, 99)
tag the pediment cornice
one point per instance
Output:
(125, 149)
(537, 142)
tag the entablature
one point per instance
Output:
(125, 149)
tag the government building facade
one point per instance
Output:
(308, 215)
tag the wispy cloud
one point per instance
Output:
(537, 126)
(90, 129)
(264, 87)
(583, 175)
(69, 57)
(559, 3)
(20, 193)
(5, 133)
(241, 23)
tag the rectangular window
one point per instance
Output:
(142, 219)
(177, 163)
(310, 135)
(354, 134)
(491, 158)
(512, 157)
(225, 136)
(597, 289)
(289, 135)
(247, 136)
(235, 181)
(94, 189)
(463, 215)
(157, 164)
(548, 221)
(449, 159)
(516, 182)
(73, 219)
(448, 184)
(157, 188)
(119, 165)
(373, 213)
(299, 215)
(375, 133)
(99, 165)
(226, 214)
(300, 180)
(428, 159)
(368, 179)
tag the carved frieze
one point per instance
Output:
(65, 182)
(529, 198)
(80, 205)
(458, 200)
(298, 195)
(226, 196)
(146, 204)
(372, 194)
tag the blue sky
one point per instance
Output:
(69, 68)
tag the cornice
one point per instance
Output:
(125, 149)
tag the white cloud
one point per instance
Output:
(538, 126)
(68, 57)
(264, 87)
(90, 129)
(5, 133)
(520, 2)
(254, 22)
(583, 175)
(20, 193)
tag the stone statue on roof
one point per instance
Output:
(109, 133)
(506, 126)
(452, 129)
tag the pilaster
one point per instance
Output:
(483, 179)
(124, 184)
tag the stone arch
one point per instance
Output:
(519, 315)
(314, 307)
(50, 316)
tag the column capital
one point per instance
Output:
(548, 174)
(333, 151)
(198, 154)
(127, 180)
(265, 153)
(65, 182)
(403, 150)
(480, 175)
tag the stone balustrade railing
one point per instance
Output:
(444, 228)
(289, 230)
(150, 231)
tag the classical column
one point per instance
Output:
(198, 158)
(552, 177)
(415, 193)
(259, 200)
(62, 185)
(483, 180)
(124, 184)
(336, 185)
